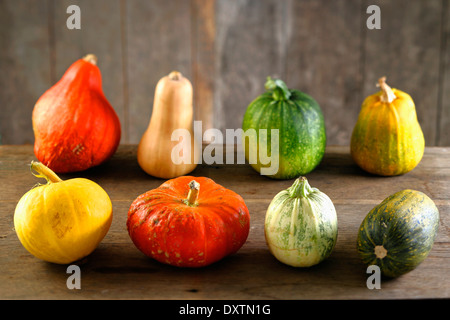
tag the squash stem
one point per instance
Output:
(194, 188)
(300, 188)
(44, 172)
(388, 94)
(92, 58)
(280, 91)
(175, 76)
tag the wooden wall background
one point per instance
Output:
(228, 48)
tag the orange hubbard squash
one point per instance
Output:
(387, 139)
(74, 125)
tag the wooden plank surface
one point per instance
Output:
(117, 270)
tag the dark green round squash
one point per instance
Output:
(398, 234)
(301, 131)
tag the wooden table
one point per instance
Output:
(117, 270)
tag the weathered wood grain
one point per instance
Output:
(117, 270)
(24, 65)
(227, 49)
(100, 34)
(158, 42)
(407, 51)
(203, 30)
(248, 42)
(324, 60)
(443, 116)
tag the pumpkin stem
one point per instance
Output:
(300, 188)
(194, 187)
(175, 75)
(44, 172)
(279, 88)
(388, 95)
(92, 58)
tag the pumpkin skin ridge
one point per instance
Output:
(260, 110)
(317, 201)
(171, 219)
(32, 244)
(321, 152)
(167, 238)
(233, 245)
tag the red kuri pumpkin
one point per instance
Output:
(188, 222)
(74, 125)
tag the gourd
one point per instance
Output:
(398, 234)
(158, 155)
(301, 225)
(301, 130)
(74, 125)
(188, 222)
(387, 139)
(62, 221)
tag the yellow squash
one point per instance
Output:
(387, 139)
(62, 221)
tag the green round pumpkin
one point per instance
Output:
(301, 132)
(398, 234)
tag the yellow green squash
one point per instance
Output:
(387, 139)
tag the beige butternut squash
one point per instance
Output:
(157, 154)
